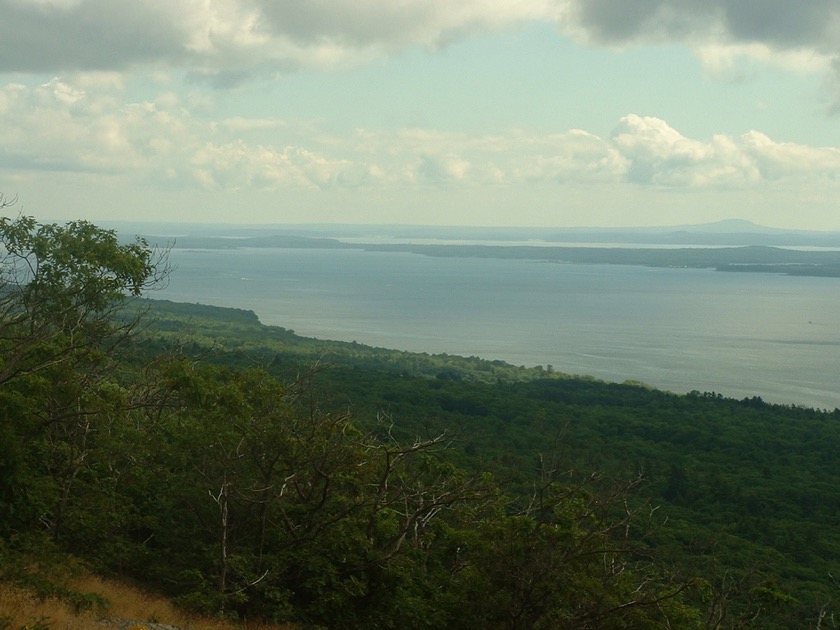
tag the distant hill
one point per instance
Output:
(727, 232)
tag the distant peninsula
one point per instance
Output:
(748, 258)
(729, 245)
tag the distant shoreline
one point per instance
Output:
(748, 258)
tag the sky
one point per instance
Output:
(429, 112)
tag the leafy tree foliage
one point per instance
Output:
(60, 288)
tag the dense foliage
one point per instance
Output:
(203, 455)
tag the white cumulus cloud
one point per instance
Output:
(88, 127)
(660, 155)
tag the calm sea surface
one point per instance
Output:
(740, 334)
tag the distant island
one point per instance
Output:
(726, 233)
(753, 258)
(731, 245)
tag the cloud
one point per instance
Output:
(778, 160)
(575, 156)
(719, 58)
(238, 165)
(86, 125)
(436, 170)
(811, 24)
(801, 36)
(52, 36)
(394, 24)
(60, 125)
(834, 88)
(659, 155)
(225, 41)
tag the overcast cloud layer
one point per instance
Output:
(142, 96)
(247, 35)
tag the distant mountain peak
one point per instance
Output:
(734, 224)
(729, 225)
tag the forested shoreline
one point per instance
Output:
(735, 484)
(247, 472)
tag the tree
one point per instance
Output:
(61, 288)
(569, 558)
(277, 505)
(63, 316)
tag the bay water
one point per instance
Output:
(738, 334)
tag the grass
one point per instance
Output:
(21, 610)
